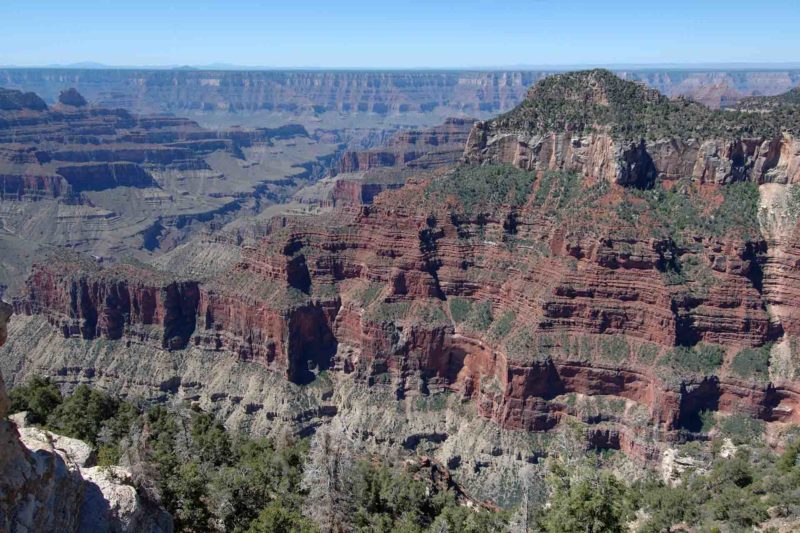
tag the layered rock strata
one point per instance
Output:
(111, 183)
(389, 93)
(533, 295)
(51, 483)
(656, 139)
(416, 149)
(70, 149)
(377, 291)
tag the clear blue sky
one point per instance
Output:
(398, 34)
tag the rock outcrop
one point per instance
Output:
(416, 149)
(361, 175)
(587, 122)
(71, 97)
(50, 483)
(38, 491)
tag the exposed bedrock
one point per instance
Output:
(762, 160)
(433, 147)
(602, 126)
(98, 177)
(52, 483)
(532, 295)
(368, 293)
(122, 301)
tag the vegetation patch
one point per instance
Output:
(742, 429)
(524, 346)
(705, 359)
(752, 362)
(614, 348)
(503, 325)
(430, 313)
(387, 311)
(793, 202)
(459, 309)
(210, 480)
(369, 294)
(482, 189)
(389, 501)
(647, 353)
(590, 101)
(681, 211)
(480, 317)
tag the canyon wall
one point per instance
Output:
(414, 149)
(374, 291)
(558, 274)
(719, 160)
(446, 93)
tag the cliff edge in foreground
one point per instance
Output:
(50, 483)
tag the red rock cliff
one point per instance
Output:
(518, 290)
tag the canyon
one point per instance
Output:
(465, 290)
(111, 183)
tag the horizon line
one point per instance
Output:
(743, 65)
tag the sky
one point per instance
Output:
(398, 34)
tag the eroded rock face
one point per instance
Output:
(432, 147)
(121, 300)
(762, 160)
(369, 292)
(525, 308)
(5, 316)
(49, 482)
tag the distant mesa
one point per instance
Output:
(12, 100)
(72, 97)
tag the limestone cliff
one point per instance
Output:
(599, 125)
